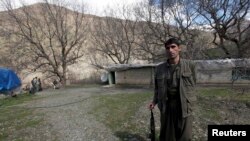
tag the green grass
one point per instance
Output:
(82, 86)
(211, 113)
(212, 101)
(214, 92)
(224, 94)
(117, 111)
(11, 101)
(15, 119)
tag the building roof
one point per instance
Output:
(201, 64)
(121, 67)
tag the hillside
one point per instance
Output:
(150, 47)
(15, 52)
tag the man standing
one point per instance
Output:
(175, 80)
(33, 86)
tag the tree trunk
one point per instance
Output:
(64, 75)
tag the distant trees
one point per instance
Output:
(187, 19)
(114, 36)
(227, 19)
(165, 19)
(48, 37)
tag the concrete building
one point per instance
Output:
(229, 71)
(132, 75)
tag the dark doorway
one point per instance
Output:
(111, 77)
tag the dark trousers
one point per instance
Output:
(173, 126)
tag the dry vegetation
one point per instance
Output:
(122, 111)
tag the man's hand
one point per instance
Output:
(151, 105)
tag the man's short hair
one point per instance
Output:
(172, 41)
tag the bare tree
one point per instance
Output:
(147, 49)
(114, 36)
(165, 19)
(228, 20)
(49, 36)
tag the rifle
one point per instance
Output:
(152, 127)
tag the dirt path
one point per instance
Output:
(66, 114)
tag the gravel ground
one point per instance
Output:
(66, 117)
(66, 114)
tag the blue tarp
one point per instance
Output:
(8, 80)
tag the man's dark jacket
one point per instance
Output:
(186, 86)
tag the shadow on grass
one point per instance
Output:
(126, 136)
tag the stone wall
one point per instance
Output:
(228, 71)
(136, 76)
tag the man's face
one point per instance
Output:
(172, 51)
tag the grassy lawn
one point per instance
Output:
(118, 112)
(220, 105)
(124, 115)
(225, 94)
(213, 107)
(14, 119)
(214, 101)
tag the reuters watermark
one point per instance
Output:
(235, 132)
